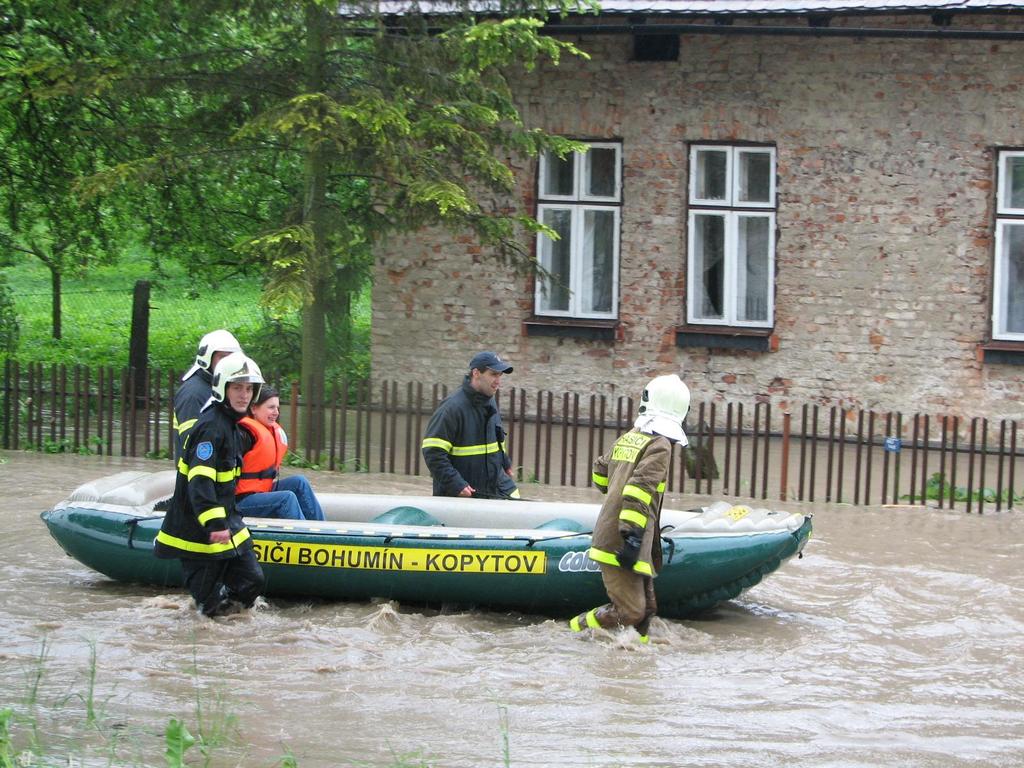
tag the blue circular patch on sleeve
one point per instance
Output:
(204, 450)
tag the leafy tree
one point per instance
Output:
(51, 137)
(287, 138)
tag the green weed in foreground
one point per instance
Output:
(6, 749)
(47, 733)
(70, 728)
(179, 741)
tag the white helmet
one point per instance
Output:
(235, 367)
(663, 407)
(215, 341)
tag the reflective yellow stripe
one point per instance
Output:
(592, 621)
(462, 450)
(203, 471)
(183, 467)
(574, 624)
(514, 494)
(661, 487)
(205, 549)
(437, 442)
(210, 472)
(184, 426)
(645, 639)
(212, 514)
(600, 556)
(474, 450)
(634, 517)
(638, 493)
(600, 480)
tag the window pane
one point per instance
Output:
(755, 181)
(598, 260)
(1013, 290)
(600, 181)
(752, 281)
(711, 174)
(558, 175)
(709, 266)
(1014, 183)
(556, 257)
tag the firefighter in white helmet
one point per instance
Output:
(195, 391)
(627, 540)
(202, 527)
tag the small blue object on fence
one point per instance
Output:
(893, 444)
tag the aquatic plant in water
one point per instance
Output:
(938, 489)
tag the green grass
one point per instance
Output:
(97, 313)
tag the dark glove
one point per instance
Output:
(630, 551)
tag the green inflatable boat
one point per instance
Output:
(523, 556)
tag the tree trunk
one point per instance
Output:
(55, 291)
(138, 341)
(314, 335)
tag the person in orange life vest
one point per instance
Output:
(260, 491)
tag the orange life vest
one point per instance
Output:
(261, 462)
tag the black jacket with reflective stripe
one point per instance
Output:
(204, 491)
(189, 400)
(465, 444)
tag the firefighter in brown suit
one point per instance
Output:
(627, 540)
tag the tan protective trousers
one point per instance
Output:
(632, 600)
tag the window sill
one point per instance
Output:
(571, 327)
(1002, 352)
(724, 337)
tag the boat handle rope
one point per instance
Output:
(415, 537)
(497, 497)
(132, 524)
(530, 541)
(388, 538)
(671, 548)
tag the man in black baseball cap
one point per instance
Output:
(464, 446)
(483, 360)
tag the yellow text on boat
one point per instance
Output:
(400, 559)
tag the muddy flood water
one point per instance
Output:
(895, 641)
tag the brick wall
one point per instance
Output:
(885, 175)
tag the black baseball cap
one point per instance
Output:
(486, 359)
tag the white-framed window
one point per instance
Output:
(580, 198)
(731, 236)
(1008, 283)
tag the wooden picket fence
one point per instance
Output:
(751, 451)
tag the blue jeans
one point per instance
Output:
(292, 499)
